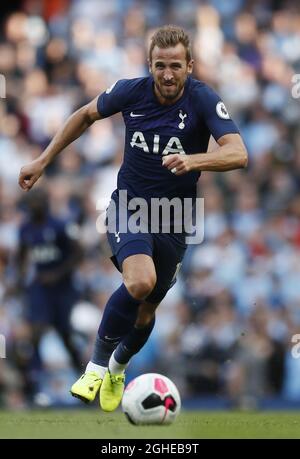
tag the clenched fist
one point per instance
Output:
(30, 173)
(178, 164)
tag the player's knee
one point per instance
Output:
(140, 287)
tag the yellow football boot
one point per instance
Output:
(86, 387)
(111, 391)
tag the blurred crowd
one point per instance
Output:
(226, 327)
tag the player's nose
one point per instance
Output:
(168, 75)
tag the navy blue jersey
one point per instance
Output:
(154, 130)
(48, 245)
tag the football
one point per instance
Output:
(151, 399)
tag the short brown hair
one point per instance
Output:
(169, 36)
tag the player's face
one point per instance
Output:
(170, 69)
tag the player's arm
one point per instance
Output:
(229, 154)
(212, 144)
(73, 128)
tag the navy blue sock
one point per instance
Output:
(133, 342)
(102, 351)
(118, 319)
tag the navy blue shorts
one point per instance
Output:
(166, 252)
(51, 305)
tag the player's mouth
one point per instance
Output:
(168, 87)
(169, 84)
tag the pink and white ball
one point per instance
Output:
(151, 399)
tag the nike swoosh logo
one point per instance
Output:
(134, 115)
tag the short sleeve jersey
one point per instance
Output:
(154, 130)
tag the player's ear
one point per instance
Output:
(190, 66)
(149, 65)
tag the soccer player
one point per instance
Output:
(47, 256)
(169, 118)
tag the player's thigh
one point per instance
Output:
(125, 246)
(167, 259)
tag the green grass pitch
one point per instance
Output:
(189, 425)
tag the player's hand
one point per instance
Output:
(177, 164)
(30, 173)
